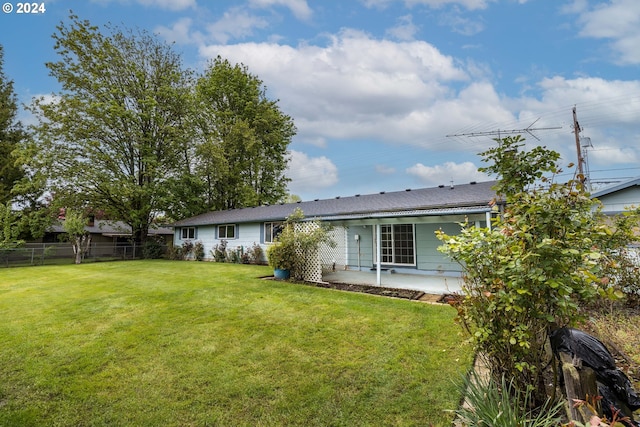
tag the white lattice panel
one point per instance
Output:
(334, 258)
(325, 258)
(311, 267)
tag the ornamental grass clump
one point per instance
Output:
(502, 404)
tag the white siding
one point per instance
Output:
(246, 236)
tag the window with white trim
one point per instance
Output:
(397, 244)
(188, 233)
(271, 231)
(227, 231)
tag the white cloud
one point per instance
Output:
(617, 21)
(310, 173)
(162, 4)
(299, 8)
(179, 32)
(468, 4)
(355, 86)
(462, 25)
(385, 170)
(444, 174)
(169, 4)
(404, 30)
(236, 23)
(611, 155)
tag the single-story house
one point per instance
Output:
(619, 197)
(387, 230)
(106, 232)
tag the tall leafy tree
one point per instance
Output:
(11, 134)
(115, 136)
(241, 155)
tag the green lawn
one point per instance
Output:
(175, 343)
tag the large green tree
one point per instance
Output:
(11, 134)
(243, 137)
(115, 136)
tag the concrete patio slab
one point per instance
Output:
(429, 284)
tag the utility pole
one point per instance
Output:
(576, 131)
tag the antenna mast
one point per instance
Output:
(499, 132)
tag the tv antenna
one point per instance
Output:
(529, 129)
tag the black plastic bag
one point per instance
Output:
(618, 394)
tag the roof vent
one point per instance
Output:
(315, 200)
(408, 189)
(382, 192)
(357, 195)
(299, 201)
(473, 183)
(337, 197)
(441, 186)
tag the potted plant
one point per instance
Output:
(290, 250)
(282, 257)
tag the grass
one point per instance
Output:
(147, 343)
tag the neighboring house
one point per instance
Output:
(619, 197)
(105, 232)
(393, 230)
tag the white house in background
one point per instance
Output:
(386, 230)
(619, 197)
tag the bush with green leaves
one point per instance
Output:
(174, 252)
(153, 248)
(219, 251)
(255, 254)
(198, 251)
(187, 249)
(294, 246)
(532, 270)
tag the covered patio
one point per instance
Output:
(429, 284)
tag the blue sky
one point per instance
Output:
(376, 86)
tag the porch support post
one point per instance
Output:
(379, 253)
(488, 219)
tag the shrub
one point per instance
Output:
(219, 252)
(198, 251)
(187, 249)
(153, 248)
(531, 271)
(293, 246)
(234, 256)
(175, 252)
(255, 254)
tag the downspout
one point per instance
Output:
(379, 253)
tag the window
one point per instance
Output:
(188, 233)
(226, 231)
(271, 231)
(397, 244)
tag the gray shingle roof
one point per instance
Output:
(634, 182)
(115, 228)
(428, 200)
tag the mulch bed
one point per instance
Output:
(378, 290)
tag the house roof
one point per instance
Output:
(112, 228)
(473, 197)
(616, 187)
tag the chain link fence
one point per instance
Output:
(62, 253)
